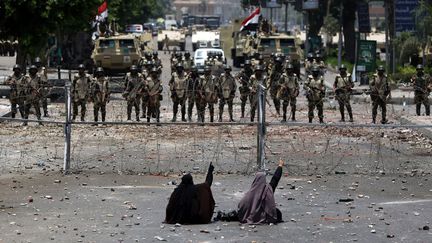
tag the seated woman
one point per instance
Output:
(258, 204)
(191, 204)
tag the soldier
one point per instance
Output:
(17, 91)
(207, 94)
(256, 79)
(192, 87)
(45, 87)
(244, 76)
(157, 62)
(187, 62)
(177, 86)
(80, 91)
(342, 86)
(315, 93)
(422, 87)
(33, 92)
(166, 44)
(309, 63)
(288, 91)
(273, 82)
(380, 91)
(226, 88)
(154, 89)
(100, 94)
(320, 63)
(134, 86)
(146, 73)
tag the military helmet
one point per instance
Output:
(178, 55)
(155, 53)
(149, 63)
(310, 55)
(259, 68)
(342, 67)
(99, 70)
(419, 67)
(148, 54)
(278, 59)
(154, 70)
(247, 62)
(207, 68)
(260, 57)
(37, 60)
(315, 68)
(133, 68)
(187, 54)
(194, 68)
(227, 68)
(33, 67)
(290, 67)
(16, 66)
(380, 68)
(179, 65)
(81, 66)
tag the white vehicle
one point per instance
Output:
(201, 56)
(206, 39)
(134, 28)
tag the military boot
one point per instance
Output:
(374, 119)
(103, 116)
(284, 116)
(321, 120)
(277, 106)
(220, 116)
(230, 111)
(427, 107)
(183, 111)
(242, 111)
(351, 119)
(46, 113)
(310, 119)
(13, 115)
(342, 117)
(96, 118)
(144, 109)
(293, 112)
(418, 108)
(175, 110)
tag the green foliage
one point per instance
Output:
(332, 61)
(331, 25)
(404, 74)
(410, 47)
(136, 11)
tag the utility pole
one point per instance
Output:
(261, 127)
(340, 35)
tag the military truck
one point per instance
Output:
(116, 54)
(206, 39)
(280, 43)
(242, 41)
(176, 38)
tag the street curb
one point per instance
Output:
(427, 132)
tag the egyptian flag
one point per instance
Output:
(252, 19)
(102, 12)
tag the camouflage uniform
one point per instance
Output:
(343, 85)
(80, 92)
(187, 63)
(226, 88)
(207, 95)
(380, 90)
(288, 91)
(100, 95)
(178, 86)
(153, 90)
(135, 85)
(146, 73)
(254, 81)
(243, 77)
(192, 88)
(422, 87)
(315, 93)
(273, 83)
(33, 94)
(45, 89)
(17, 92)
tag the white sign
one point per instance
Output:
(310, 4)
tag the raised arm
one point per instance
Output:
(277, 175)
(209, 177)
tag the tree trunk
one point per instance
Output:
(21, 57)
(349, 30)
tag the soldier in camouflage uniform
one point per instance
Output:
(187, 62)
(255, 80)
(207, 93)
(100, 94)
(134, 87)
(193, 82)
(243, 77)
(288, 91)
(343, 85)
(33, 92)
(273, 82)
(309, 63)
(380, 91)
(45, 86)
(80, 91)
(422, 87)
(315, 93)
(226, 88)
(157, 62)
(146, 73)
(17, 91)
(178, 86)
(153, 89)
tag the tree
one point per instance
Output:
(423, 20)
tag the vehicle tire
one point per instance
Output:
(160, 46)
(182, 46)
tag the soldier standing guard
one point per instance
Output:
(33, 94)
(343, 85)
(45, 86)
(315, 93)
(177, 86)
(207, 94)
(288, 91)
(422, 87)
(192, 87)
(227, 87)
(100, 94)
(80, 91)
(244, 76)
(17, 91)
(187, 62)
(154, 90)
(380, 91)
(273, 82)
(134, 86)
(257, 79)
